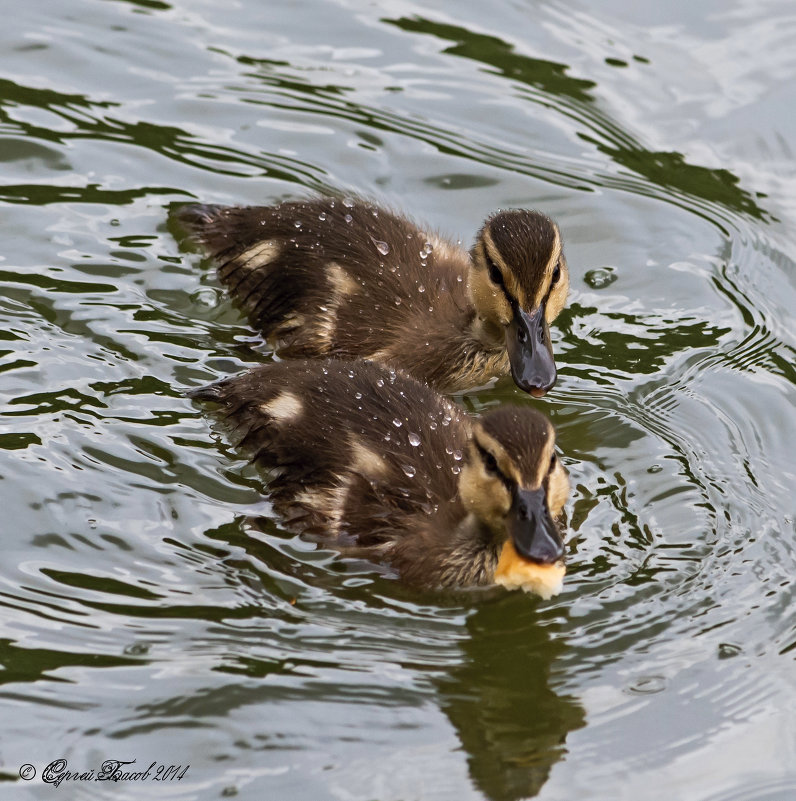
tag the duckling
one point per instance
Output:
(366, 457)
(348, 279)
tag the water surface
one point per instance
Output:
(152, 609)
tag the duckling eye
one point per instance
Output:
(556, 274)
(494, 272)
(490, 463)
(553, 461)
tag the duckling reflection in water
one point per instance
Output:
(366, 456)
(348, 279)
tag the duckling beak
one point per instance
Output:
(530, 352)
(532, 528)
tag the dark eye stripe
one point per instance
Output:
(497, 278)
(489, 460)
(553, 281)
(494, 270)
(492, 466)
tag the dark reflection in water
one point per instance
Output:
(13, 94)
(510, 721)
(153, 5)
(671, 171)
(35, 664)
(88, 119)
(497, 694)
(547, 76)
(633, 343)
(572, 96)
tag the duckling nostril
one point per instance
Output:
(521, 335)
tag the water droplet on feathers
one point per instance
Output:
(382, 247)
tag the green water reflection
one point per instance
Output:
(669, 171)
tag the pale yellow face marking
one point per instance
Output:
(545, 287)
(509, 280)
(543, 463)
(483, 493)
(557, 489)
(558, 294)
(489, 300)
(365, 461)
(284, 407)
(486, 496)
(504, 461)
(556, 299)
(259, 255)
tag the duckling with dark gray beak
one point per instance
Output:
(364, 455)
(345, 278)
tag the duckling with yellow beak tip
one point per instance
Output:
(514, 484)
(375, 463)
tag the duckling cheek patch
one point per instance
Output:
(514, 573)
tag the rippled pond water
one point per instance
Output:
(151, 608)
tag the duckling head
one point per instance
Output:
(518, 284)
(514, 485)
